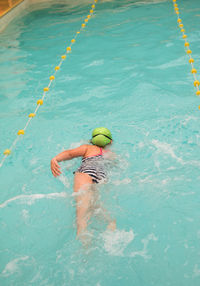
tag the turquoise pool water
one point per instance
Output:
(128, 71)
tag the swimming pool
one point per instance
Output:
(127, 71)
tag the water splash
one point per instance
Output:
(13, 266)
(145, 242)
(30, 199)
(116, 241)
(167, 149)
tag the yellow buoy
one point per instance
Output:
(68, 49)
(86, 20)
(91, 11)
(187, 44)
(198, 92)
(83, 25)
(73, 41)
(181, 25)
(57, 68)
(31, 115)
(182, 30)
(95, 1)
(179, 20)
(88, 16)
(175, 5)
(46, 89)
(184, 36)
(193, 71)
(176, 9)
(177, 12)
(174, 0)
(20, 132)
(78, 32)
(40, 101)
(7, 152)
(191, 60)
(52, 77)
(196, 83)
(189, 52)
(93, 6)
(63, 57)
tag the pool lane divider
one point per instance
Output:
(187, 48)
(40, 102)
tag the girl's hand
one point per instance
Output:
(55, 168)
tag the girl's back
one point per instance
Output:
(93, 150)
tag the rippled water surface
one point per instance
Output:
(127, 71)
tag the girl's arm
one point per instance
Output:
(66, 155)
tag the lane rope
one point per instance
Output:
(187, 48)
(21, 132)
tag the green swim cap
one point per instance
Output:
(101, 136)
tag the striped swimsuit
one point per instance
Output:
(94, 166)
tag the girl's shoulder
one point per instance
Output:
(87, 146)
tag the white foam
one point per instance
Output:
(196, 271)
(125, 181)
(193, 163)
(166, 248)
(30, 199)
(187, 119)
(143, 252)
(25, 214)
(148, 179)
(95, 63)
(64, 180)
(141, 145)
(170, 64)
(116, 241)
(167, 149)
(13, 266)
(70, 78)
(79, 192)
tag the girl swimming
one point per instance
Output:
(92, 171)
